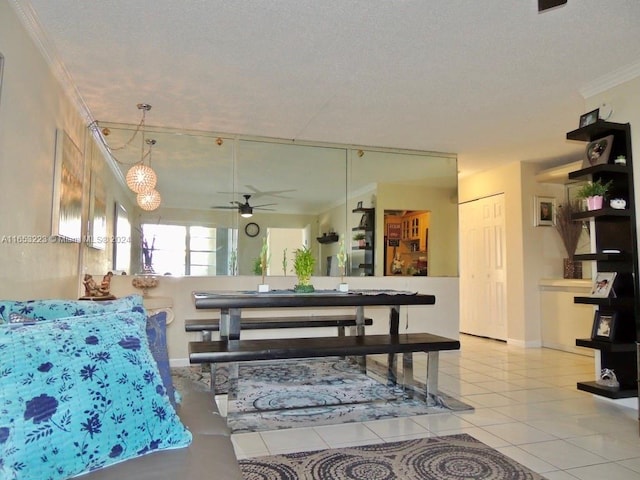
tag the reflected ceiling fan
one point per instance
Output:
(549, 4)
(255, 193)
(245, 209)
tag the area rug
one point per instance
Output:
(439, 458)
(286, 394)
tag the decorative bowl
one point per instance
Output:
(145, 282)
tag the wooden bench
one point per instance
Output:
(221, 351)
(208, 325)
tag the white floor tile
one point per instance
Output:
(519, 433)
(607, 446)
(293, 440)
(530, 461)
(562, 454)
(604, 471)
(335, 435)
(396, 427)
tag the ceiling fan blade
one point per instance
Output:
(548, 4)
(264, 205)
(224, 207)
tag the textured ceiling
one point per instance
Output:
(493, 81)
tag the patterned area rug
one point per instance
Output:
(440, 458)
(286, 394)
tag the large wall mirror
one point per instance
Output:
(296, 193)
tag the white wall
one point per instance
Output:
(32, 106)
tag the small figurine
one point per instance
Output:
(91, 288)
(397, 264)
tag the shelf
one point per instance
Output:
(605, 168)
(596, 130)
(609, 392)
(331, 238)
(365, 265)
(603, 212)
(606, 346)
(605, 302)
(362, 248)
(363, 210)
(603, 257)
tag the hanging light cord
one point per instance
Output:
(145, 107)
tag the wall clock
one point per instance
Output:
(252, 229)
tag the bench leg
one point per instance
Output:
(432, 378)
(407, 374)
(212, 366)
(392, 370)
(232, 393)
(207, 367)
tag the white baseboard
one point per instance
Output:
(179, 362)
(523, 344)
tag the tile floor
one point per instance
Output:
(526, 406)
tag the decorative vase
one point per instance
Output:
(572, 269)
(595, 203)
(343, 287)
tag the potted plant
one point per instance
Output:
(570, 231)
(264, 264)
(359, 239)
(342, 263)
(594, 193)
(303, 264)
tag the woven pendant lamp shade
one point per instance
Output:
(149, 200)
(141, 178)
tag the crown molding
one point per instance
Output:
(29, 19)
(611, 80)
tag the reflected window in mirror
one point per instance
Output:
(188, 250)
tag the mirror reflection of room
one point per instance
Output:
(406, 242)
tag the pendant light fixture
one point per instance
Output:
(140, 178)
(149, 200)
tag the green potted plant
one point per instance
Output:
(303, 264)
(264, 259)
(594, 193)
(359, 238)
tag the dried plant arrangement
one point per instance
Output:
(569, 230)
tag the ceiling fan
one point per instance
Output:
(245, 209)
(265, 193)
(549, 4)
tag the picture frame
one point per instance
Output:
(97, 213)
(359, 206)
(603, 284)
(598, 152)
(363, 221)
(604, 326)
(544, 211)
(589, 117)
(66, 212)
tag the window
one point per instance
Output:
(190, 250)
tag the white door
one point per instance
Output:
(482, 268)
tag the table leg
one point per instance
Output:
(394, 328)
(362, 360)
(432, 378)
(407, 374)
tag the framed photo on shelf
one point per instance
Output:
(598, 152)
(603, 284)
(363, 222)
(544, 212)
(589, 117)
(359, 206)
(604, 326)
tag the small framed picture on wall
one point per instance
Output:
(544, 212)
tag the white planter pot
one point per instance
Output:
(263, 287)
(343, 287)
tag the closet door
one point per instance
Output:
(482, 268)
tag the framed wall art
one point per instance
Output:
(604, 326)
(589, 117)
(598, 151)
(544, 212)
(66, 216)
(97, 213)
